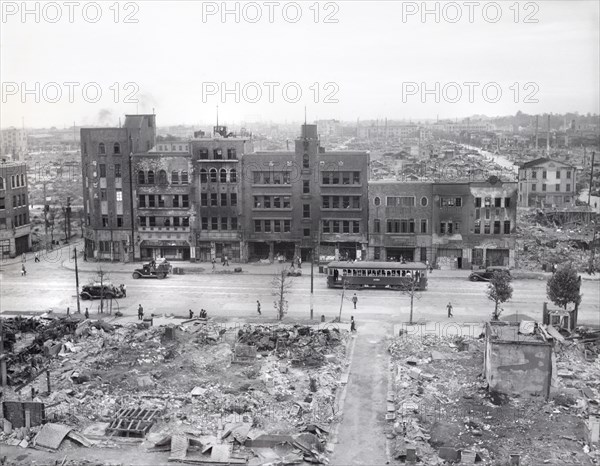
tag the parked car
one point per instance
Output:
(486, 275)
(95, 291)
(155, 269)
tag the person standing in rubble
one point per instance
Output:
(354, 300)
(140, 312)
(191, 314)
(258, 307)
(87, 313)
(449, 307)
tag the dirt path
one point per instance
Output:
(361, 437)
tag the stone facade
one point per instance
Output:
(15, 229)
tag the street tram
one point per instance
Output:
(370, 274)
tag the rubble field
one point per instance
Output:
(251, 394)
(441, 408)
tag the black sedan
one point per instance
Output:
(487, 274)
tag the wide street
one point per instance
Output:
(51, 285)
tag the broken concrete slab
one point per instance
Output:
(51, 435)
(449, 454)
(179, 447)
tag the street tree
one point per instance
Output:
(411, 288)
(282, 285)
(101, 277)
(52, 218)
(564, 287)
(499, 291)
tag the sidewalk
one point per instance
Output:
(50, 255)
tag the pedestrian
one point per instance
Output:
(36, 257)
(203, 313)
(299, 262)
(352, 324)
(191, 314)
(123, 290)
(427, 264)
(140, 312)
(214, 264)
(87, 313)
(68, 312)
(354, 300)
(226, 261)
(23, 270)
(84, 256)
(449, 307)
(258, 307)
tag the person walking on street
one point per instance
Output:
(191, 314)
(354, 300)
(36, 257)
(23, 270)
(140, 313)
(299, 262)
(87, 313)
(258, 307)
(214, 264)
(225, 261)
(352, 324)
(449, 307)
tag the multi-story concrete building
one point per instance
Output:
(547, 183)
(13, 143)
(388, 131)
(108, 186)
(217, 195)
(294, 201)
(15, 229)
(400, 216)
(163, 202)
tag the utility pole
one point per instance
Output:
(46, 208)
(77, 279)
(342, 301)
(68, 220)
(591, 180)
(312, 277)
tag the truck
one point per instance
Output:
(153, 269)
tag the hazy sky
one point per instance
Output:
(369, 57)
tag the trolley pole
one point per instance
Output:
(77, 280)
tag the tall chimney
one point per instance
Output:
(548, 138)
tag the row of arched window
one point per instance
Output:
(151, 177)
(116, 148)
(221, 176)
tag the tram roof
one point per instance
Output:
(377, 265)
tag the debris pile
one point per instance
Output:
(441, 409)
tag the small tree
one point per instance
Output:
(411, 288)
(102, 277)
(499, 291)
(281, 288)
(563, 288)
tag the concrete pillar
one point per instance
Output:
(271, 251)
(511, 257)
(213, 249)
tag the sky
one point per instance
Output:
(92, 63)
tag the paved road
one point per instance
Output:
(360, 438)
(52, 286)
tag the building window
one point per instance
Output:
(451, 202)
(161, 200)
(442, 228)
(117, 148)
(477, 202)
(377, 201)
(185, 221)
(257, 202)
(234, 224)
(533, 174)
(233, 199)
(306, 211)
(204, 221)
(218, 154)
(306, 232)
(477, 227)
(507, 227)
(203, 199)
(305, 161)
(305, 186)
(336, 226)
(105, 221)
(287, 226)
(534, 187)
(355, 226)
(223, 223)
(233, 175)
(223, 199)
(568, 187)
(335, 202)
(497, 227)
(231, 154)
(203, 175)
(150, 177)
(393, 226)
(213, 200)
(424, 201)
(102, 170)
(325, 178)
(356, 177)
(174, 177)
(286, 202)
(507, 202)
(223, 175)
(400, 201)
(203, 154)
(1, 183)
(151, 201)
(544, 174)
(568, 174)
(267, 226)
(185, 200)
(345, 226)
(142, 200)
(117, 170)
(544, 187)
(119, 221)
(277, 202)
(257, 226)
(486, 228)
(326, 226)
(184, 177)
(162, 178)
(498, 202)
(276, 226)
(423, 226)
(101, 149)
(214, 223)
(377, 253)
(377, 226)
(119, 194)
(267, 202)
(141, 177)
(213, 175)
(558, 174)
(557, 187)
